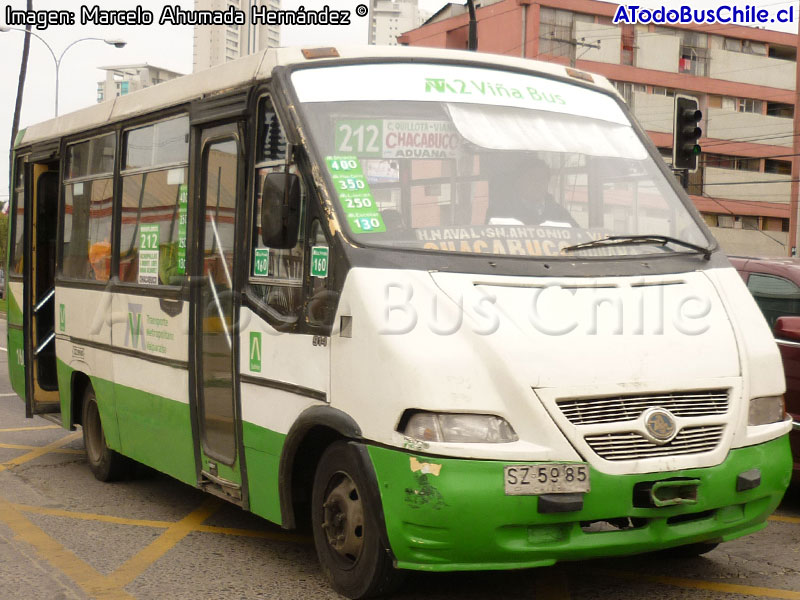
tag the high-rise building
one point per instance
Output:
(125, 79)
(391, 18)
(743, 77)
(218, 44)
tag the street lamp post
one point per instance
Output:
(57, 59)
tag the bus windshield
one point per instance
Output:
(472, 160)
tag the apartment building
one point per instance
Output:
(125, 79)
(390, 18)
(743, 77)
(218, 44)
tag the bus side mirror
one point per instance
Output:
(280, 210)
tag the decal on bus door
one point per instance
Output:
(319, 261)
(261, 262)
(255, 351)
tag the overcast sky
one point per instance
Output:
(164, 46)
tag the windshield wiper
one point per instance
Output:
(636, 240)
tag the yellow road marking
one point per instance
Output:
(551, 587)
(267, 535)
(785, 519)
(57, 512)
(93, 583)
(57, 451)
(40, 451)
(39, 428)
(137, 564)
(96, 585)
(713, 586)
(270, 535)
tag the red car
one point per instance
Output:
(775, 285)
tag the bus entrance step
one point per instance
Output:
(55, 417)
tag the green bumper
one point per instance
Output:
(461, 518)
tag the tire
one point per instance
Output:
(105, 463)
(347, 527)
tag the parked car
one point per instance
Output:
(775, 285)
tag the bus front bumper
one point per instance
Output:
(453, 514)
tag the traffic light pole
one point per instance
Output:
(472, 41)
(685, 137)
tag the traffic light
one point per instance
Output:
(686, 133)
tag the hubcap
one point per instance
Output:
(343, 518)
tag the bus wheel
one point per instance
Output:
(106, 464)
(347, 529)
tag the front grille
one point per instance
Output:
(589, 411)
(630, 445)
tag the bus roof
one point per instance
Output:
(256, 67)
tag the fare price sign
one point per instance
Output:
(354, 194)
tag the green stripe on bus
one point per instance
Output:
(151, 429)
(157, 432)
(262, 450)
(13, 311)
(16, 348)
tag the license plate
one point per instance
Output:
(546, 478)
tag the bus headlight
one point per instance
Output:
(459, 428)
(769, 409)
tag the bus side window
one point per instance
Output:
(152, 244)
(88, 198)
(276, 275)
(17, 220)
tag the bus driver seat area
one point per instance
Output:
(521, 197)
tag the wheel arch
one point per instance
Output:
(78, 384)
(314, 430)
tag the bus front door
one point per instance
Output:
(215, 314)
(41, 384)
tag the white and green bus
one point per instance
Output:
(450, 310)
